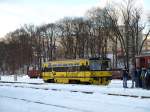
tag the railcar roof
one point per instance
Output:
(68, 60)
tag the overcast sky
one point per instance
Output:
(14, 13)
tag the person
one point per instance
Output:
(143, 78)
(147, 78)
(137, 78)
(125, 77)
(133, 73)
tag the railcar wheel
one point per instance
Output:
(49, 81)
(74, 81)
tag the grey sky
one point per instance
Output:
(14, 13)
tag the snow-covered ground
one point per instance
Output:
(21, 78)
(23, 97)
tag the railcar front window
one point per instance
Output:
(99, 64)
(95, 65)
(105, 65)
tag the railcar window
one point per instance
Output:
(66, 69)
(60, 69)
(105, 65)
(42, 69)
(47, 69)
(84, 68)
(142, 61)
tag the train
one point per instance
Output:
(143, 61)
(33, 71)
(85, 71)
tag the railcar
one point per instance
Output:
(33, 71)
(143, 61)
(88, 71)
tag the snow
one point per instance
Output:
(24, 97)
(21, 78)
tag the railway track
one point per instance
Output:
(47, 104)
(22, 82)
(41, 88)
(3, 83)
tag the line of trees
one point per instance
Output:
(81, 37)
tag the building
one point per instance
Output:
(129, 43)
(146, 46)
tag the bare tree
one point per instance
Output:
(101, 24)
